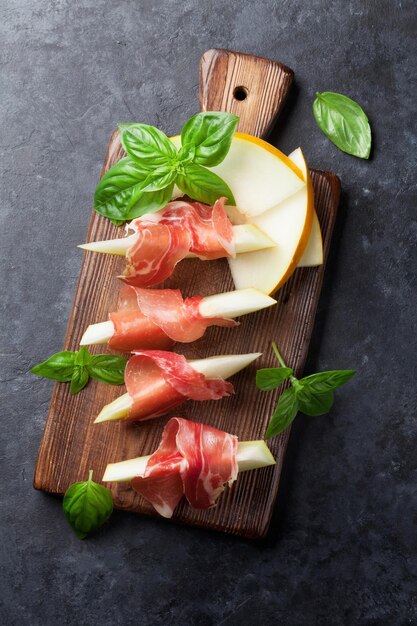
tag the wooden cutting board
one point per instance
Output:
(255, 89)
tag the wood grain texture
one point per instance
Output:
(264, 85)
(72, 444)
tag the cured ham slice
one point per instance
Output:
(193, 460)
(165, 238)
(157, 318)
(157, 381)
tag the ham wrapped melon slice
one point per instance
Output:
(157, 318)
(157, 381)
(193, 460)
(181, 229)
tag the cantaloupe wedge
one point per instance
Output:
(259, 175)
(289, 225)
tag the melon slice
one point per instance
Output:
(249, 455)
(289, 225)
(313, 254)
(259, 175)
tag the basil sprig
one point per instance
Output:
(143, 181)
(87, 505)
(78, 367)
(344, 122)
(312, 395)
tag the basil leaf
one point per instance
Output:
(159, 180)
(344, 122)
(314, 404)
(82, 357)
(203, 185)
(80, 378)
(284, 414)
(272, 377)
(186, 154)
(326, 381)
(108, 368)
(87, 505)
(211, 133)
(59, 366)
(120, 189)
(147, 145)
(120, 194)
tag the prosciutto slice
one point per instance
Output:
(193, 460)
(166, 237)
(157, 318)
(157, 381)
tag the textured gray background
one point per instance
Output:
(342, 547)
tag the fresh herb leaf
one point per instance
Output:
(186, 154)
(344, 122)
(59, 366)
(79, 379)
(272, 377)
(203, 185)
(313, 395)
(108, 368)
(314, 404)
(120, 189)
(148, 145)
(159, 180)
(284, 414)
(83, 356)
(143, 181)
(326, 381)
(77, 367)
(87, 505)
(211, 134)
(123, 192)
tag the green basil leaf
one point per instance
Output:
(120, 189)
(159, 179)
(186, 154)
(203, 185)
(211, 133)
(108, 368)
(272, 377)
(83, 357)
(344, 122)
(152, 201)
(312, 403)
(59, 366)
(147, 145)
(80, 378)
(326, 381)
(87, 505)
(284, 414)
(120, 194)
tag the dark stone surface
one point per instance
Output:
(342, 547)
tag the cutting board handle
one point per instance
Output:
(251, 87)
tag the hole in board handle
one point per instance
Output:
(240, 93)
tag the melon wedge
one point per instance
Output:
(222, 366)
(289, 225)
(249, 455)
(313, 254)
(259, 175)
